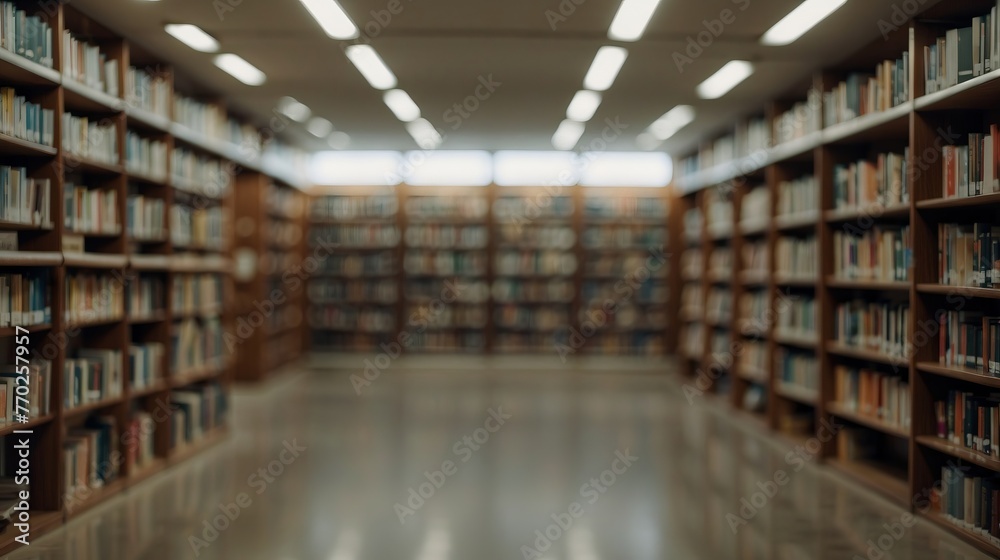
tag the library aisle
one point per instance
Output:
(592, 460)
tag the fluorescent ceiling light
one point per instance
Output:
(626, 169)
(240, 69)
(338, 140)
(332, 18)
(583, 106)
(461, 168)
(605, 67)
(672, 121)
(631, 20)
(799, 21)
(401, 105)
(424, 133)
(293, 109)
(371, 66)
(192, 36)
(516, 168)
(567, 135)
(647, 141)
(360, 168)
(728, 77)
(319, 127)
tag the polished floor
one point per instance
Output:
(487, 460)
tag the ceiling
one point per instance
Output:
(439, 49)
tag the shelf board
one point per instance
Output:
(148, 179)
(96, 497)
(90, 407)
(146, 118)
(9, 145)
(789, 339)
(183, 379)
(888, 481)
(720, 234)
(843, 412)
(78, 164)
(754, 279)
(200, 264)
(147, 318)
(10, 427)
(891, 123)
(207, 311)
(751, 374)
(156, 387)
(73, 325)
(95, 260)
(81, 97)
(41, 522)
(977, 539)
(753, 228)
(964, 291)
(980, 91)
(19, 226)
(960, 373)
(960, 452)
(959, 202)
(13, 331)
(30, 258)
(795, 281)
(19, 69)
(94, 234)
(796, 393)
(876, 212)
(879, 285)
(797, 221)
(157, 465)
(149, 262)
(840, 349)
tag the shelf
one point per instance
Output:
(960, 452)
(75, 325)
(959, 202)
(157, 386)
(963, 291)
(960, 373)
(91, 407)
(207, 311)
(148, 179)
(840, 349)
(751, 374)
(889, 124)
(19, 226)
(183, 379)
(78, 164)
(41, 523)
(878, 285)
(981, 91)
(150, 262)
(720, 234)
(200, 264)
(18, 69)
(979, 540)
(876, 212)
(796, 393)
(13, 331)
(156, 466)
(795, 281)
(11, 427)
(95, 260)
(798, 221)
(788, 339)
(754, 228)
(81, 97)
(888, 481)
(11, 146)
(30, 258)
(96, 497)
(155, 317)
(840, 411)
(754, 279)
(146, 119)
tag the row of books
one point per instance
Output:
(863, 94)
(630, 344)
(796, 368)
(146, 296)
(206, 119)
(692, 340)
(147, 91)
(883, 253)
(427, 207)
(803, 118)
(283, 235)
(694, 221)
(691, 300)
(145, 364)
(25, 34)
(445, 263)
(969, 255)
(692, 261)
(89, 457)
(339, 317)
(624, 208)
(523, 341)
(866, 183)
(375, 264)
(90, 210)
(970, 500)
(284, 202)
(797, 316)
(622, 237)
(447, 237)
(201, 228)
(198, 174)
(356, 235)
(353, 291)
(752, 361)
(719, 306)
(753, 307)
(756, 257)
(798, 196)
(193, 293)
(91, 140)
(353, 207)
(963, 53)
(92, 375)
(755, 206)
(626, 316)
(86, 64)
(24, 199)
(23, 119)
(460, 291)
(519, 210)
(872, 393)
(196, 345)
(471, 341)
(39, 397)
(145, 218)
(972, 169)
(93, 296)
(544, 263)
(145, 156)
(555, 290)
(649, 292)
(140, 451)
(876, 326)
(795, 257)
(720, 262)
(196, 412)
(719, 210)
(542, 236)
(625, 263)
(970, 339)
(24, 299)
(970, 420)
(451, 317)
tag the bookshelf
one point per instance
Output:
(115, 258)
(874, 234)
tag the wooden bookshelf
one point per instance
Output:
(133, 255)
(913, 125)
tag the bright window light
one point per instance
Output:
(371, 66)
(799, 21)
(359, 168)
(533, 169)
(424, 134)
(631, 20)
(567, 135)
(319, 127)
(604, 69)
(192, 36)
(465, 168)
(401, 105)
(332, 18)
(583, 106)
(672, 121)
(626, 169)
(293, 109)
(240, 69)
(728, 77)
